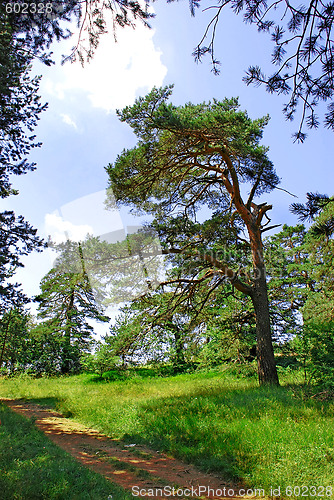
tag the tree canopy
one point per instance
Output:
(319, 208)
(37, 25)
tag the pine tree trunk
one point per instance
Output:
(267, 371)
(67, 348)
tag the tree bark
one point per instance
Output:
(67, 351)
(267, 371)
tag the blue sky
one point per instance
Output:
(81, 133)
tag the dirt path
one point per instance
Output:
(130, 466)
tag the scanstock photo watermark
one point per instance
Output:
(228, 492)
(123, 258)
(196, 492)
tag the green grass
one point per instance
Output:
(266, 437)
(33, 468)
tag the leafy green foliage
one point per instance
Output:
(13, 335)
(127, 339)
(230, 330)
(20, 108)
(315, 291)
(38, 28)
(17, 238)
(315, 204)
(192, 137)
(320, 208)
(315, 350)
(19, 112)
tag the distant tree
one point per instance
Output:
(29, 346)
(124, 270)
(143, 334)
(193, 157)
(13, 334)
(172, 326)
(127, 338)
(23, 346)
(103, 359)
(302, 54)
(45, 350)
(319, 209)
(314, 345)
(66, 302)
(290, 279)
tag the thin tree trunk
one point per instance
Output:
(67, 354)
(5, 339)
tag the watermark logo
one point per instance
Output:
(197, 491)
(121, 260)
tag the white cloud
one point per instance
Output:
(86, 215)
(91, 210)
(118, 71)
(68, 120)
(60, 230)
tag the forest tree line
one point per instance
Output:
(151, 332)
(226, 291)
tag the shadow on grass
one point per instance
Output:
(50, 403)
(218, 423)
(34, 468)
(228, 431)
(46, 402)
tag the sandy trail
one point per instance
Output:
(130, 466)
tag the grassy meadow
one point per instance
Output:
(219, 420)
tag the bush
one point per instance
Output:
(314, 348)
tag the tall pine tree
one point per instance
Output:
(193, 157)
(66, 303)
